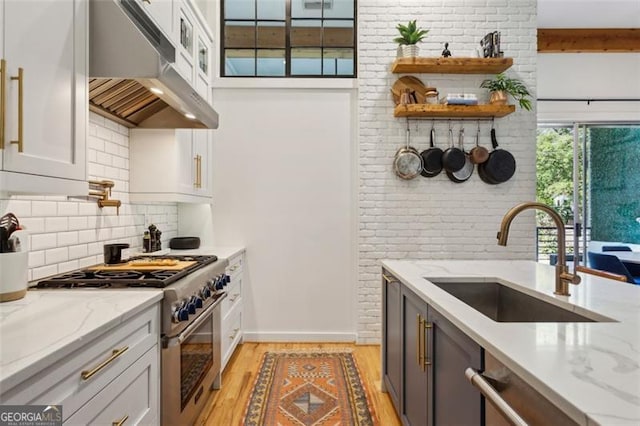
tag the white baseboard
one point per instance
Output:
(285, 336)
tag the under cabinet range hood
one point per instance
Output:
(132, 75)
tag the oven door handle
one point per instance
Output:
(201, 318)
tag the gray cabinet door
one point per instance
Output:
(415, 386)
(392, 338)
(455, 401)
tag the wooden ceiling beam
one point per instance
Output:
(588, 40)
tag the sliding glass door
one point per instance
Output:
(590, 172)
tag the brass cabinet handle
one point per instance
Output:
(87, 374)
(425, 346)
(199, 171)
(20, 78)
(195, 184)
(418, 343)
(235, 333)
(3, 90)
(388, 279)
(121, 421)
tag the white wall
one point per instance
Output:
(589, 76)
(435, 218)
(283, 179)
(69, 234)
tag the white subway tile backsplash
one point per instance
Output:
(36, 258)
(44, 208)
(44, 271)
(56, 255)
(66, 234)
(56, 224)
(67, 208)
(43, 241)
(78, 251)
(76, 223)
(67, 238)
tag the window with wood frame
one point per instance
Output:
(288, 38)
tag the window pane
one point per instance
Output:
(306, 61)
(271, 62)
(239, 62)
(239, 9)
(240, 34)
(271, 9)
(306, 33)
(339, 9)
(337, 62)
(338, 34)
(271, 35)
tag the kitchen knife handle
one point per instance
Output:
(20, 79)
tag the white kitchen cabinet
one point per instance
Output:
(231, 309)
(170, 165)
(161, 11)
(88, 383)
(44, 88)
(194, 44)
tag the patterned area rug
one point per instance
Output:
(308, 388)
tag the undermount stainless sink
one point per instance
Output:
(504, 304)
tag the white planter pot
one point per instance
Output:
(409, 50)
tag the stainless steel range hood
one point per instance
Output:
(132, 75)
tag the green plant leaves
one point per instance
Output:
(410, 33)
(512, 86)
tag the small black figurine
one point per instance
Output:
(446, 53)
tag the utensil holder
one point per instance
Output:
(14, 275)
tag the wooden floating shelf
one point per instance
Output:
(451, 65)
(453, 111)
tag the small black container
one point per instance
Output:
(184, 243)
(113, 253)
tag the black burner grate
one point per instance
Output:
(97, 278)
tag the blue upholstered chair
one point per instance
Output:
(610, 263)
(616, 248)
(553, 259)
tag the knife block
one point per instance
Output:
(13, 275)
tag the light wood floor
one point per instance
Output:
(226, 406)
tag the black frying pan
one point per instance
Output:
(453, 158)
(499, 167)
(431, 158)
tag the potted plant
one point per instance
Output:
(410, 35)
(501, 86)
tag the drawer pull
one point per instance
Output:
(494, 397)
(87, 374)
(121, 421)
(234, 297)
(388, 279)
(235, 333)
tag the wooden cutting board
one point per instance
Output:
(414, 85)
(145, 266)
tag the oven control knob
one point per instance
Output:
(205, 292)
(197, 301)
(183, 315)
(220, 281)
(211, 284)
(227, 279)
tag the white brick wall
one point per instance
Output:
(436, 218)
(69, 234)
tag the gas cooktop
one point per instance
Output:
(107, 277)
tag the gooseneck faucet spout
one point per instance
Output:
(563, 276)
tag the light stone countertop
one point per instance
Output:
(47, 325)
(589, 370)
(223, 252)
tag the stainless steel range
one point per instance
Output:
(193, 289)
